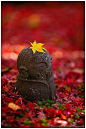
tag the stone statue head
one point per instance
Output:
(34, 66)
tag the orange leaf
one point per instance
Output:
(6, 88)
(63, 116)
(68, 89)
(13, 106)
(17, 92)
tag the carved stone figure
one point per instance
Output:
(35, 79)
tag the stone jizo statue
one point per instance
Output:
(35, 79)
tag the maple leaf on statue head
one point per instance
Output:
(37, 47)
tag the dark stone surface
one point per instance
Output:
(35, 79)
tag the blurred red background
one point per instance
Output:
(60, 25)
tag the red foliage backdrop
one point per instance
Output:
(60, 25)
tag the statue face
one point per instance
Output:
(38, 72)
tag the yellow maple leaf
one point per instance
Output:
(37, 47)
(13, 106)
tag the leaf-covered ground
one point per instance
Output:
(65, 42)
